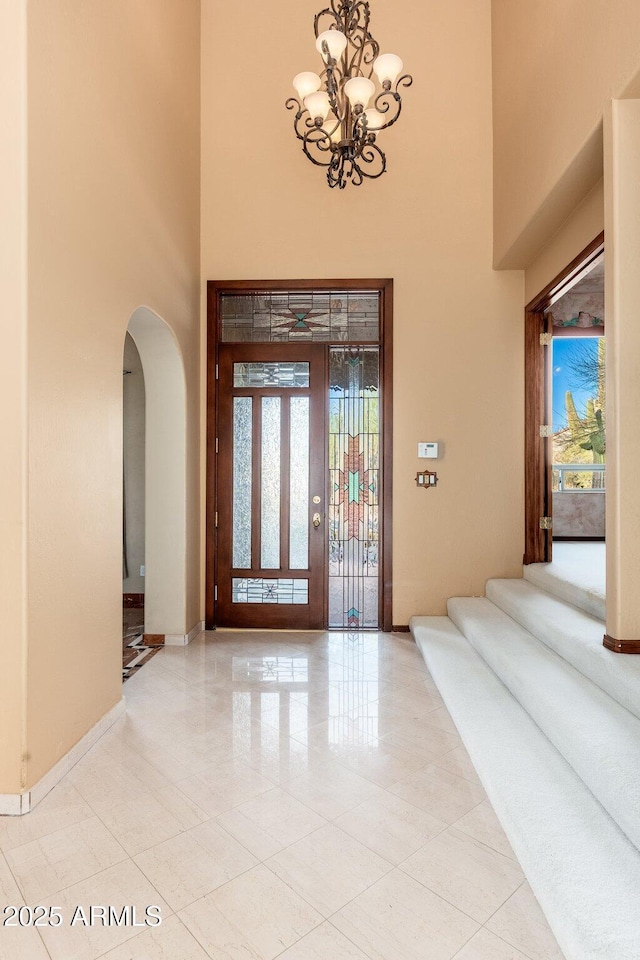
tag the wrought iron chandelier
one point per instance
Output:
(333, 119)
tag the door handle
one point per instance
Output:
(316, 520)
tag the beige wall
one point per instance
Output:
(268, 213)
(576, 233)
(555, 66)
(13, 422)
(113, 224)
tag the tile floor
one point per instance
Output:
(132, 622)
(300, 796)
(135, 653)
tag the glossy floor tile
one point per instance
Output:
(61, 808)
(170, 941)
(389, 825)
(324, 943)
(81, 935)
(466, 873)
(396, 917)
(486, 946)
(270, 823)
(328, 868)
(459, 762)
(16, 941)
(195, 863)
(301, 796)
(151, 819)
(255, 917)
(331, 789)
(521, 923)
(381, 762)
(482, 824)
(443, 794)
(56, 861)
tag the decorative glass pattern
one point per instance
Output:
(308, 316)
(354, 470)
(270, 493)
(262, 590)
(242, 452)
(278, 374)
(299, 483)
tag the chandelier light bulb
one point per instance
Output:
(318, 105)
(306, 83)
(375, 119)
(336, 42)
(387, 67)
(359, 90)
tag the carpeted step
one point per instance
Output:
(583, 587)
(583, 870)
(595, 735)
(573, 634)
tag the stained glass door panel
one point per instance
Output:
(271, 486)
(354, 487)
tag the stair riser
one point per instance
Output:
(573, 635)
(598, 738)
(538, 574)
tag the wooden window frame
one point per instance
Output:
(215, 289)
(538, 466)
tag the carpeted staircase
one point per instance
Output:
(551, 720)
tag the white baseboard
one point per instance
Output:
(182, 639)
(14, 805)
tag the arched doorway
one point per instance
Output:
(165, 475)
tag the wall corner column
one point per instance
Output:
(622, 311)
(13, 422)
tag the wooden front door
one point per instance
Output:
(272, 486)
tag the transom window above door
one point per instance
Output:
(318, 316)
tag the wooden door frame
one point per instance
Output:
(538, 465)
(215, 288)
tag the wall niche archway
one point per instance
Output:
(165, 475)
